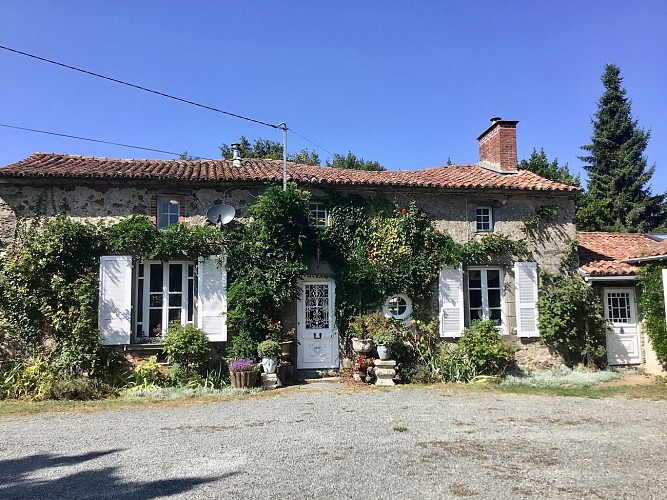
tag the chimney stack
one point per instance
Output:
(497, 146)
(236, 155)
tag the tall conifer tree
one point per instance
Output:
(618, 177)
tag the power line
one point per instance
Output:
(187, 101)
(91, 140)
(280, 126)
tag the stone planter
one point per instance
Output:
(384, 352)
(243, 380)
(362, 345)
(286, 349)
(270, 364)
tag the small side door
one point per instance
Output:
(623, 336)
(317, 339)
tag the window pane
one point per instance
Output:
(475, 299)
(476, 314)
(155, 322)
(494, 298)
(190, 300)
(175, 299)
(475, 279)
(156, 300)
(163, 206)
(156, 277)
(495, 314)
(493, 278)
(175, 277)
(140, 301)
(174, 315)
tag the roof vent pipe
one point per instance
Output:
(236, 154)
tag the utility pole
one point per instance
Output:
(283, 127)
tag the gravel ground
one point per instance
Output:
(416, 443)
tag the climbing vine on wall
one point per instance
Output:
(652, 308)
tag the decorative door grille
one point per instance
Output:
(316, 306)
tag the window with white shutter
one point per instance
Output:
(212, 299)
(450, 300)
(115, 304)
(525, 279)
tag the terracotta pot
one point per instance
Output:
(362, 345)
(286, 349)
(243, 380)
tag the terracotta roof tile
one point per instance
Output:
(50, 165)
(604, 254)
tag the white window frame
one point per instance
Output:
(481, 225)
(485, 294)
(166, 218)
(187, 279)
(386, 309)
(319, 215)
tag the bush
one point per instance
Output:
(454, 366)
(241, 346)
(484, 349)
(571, 320)
(188, 346)
(268, 349)
(79, 388)
(652, 308)
(148, 373)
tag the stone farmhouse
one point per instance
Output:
(138, 299)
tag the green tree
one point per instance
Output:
(350, 161)
(618, 176)
(269, 150)
(539, 164)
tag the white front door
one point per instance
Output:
(623, 337)
(317, 339)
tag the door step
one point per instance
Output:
(317, 374)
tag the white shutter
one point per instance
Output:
(450, 301)
(115, 308)
(212, 299)
(525, 280)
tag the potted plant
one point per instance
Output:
(284, 338)
(384, 341)
(243, 373)
(268, 351)
(362, 370)
(361, 343)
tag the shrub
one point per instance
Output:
(483, 348)
(148, 373)
(652, 308)
(268, 349)
(241, 346)
(79, 388)
(454, 366)
(570, 319)
(188, 346)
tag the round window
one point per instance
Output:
(398, 307)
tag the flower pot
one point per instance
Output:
(270, 364)
(243, 380)
(286, 349)
(362, 345)
(384, 352)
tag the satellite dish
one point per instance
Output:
(220, 214)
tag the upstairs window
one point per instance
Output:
(484, 219)
(168, 211)
(318, 214)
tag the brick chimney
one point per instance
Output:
(497, 146)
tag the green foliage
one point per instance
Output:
(652, 308)
(350, 161)
(242, 346)
(268, 349)
(267, 257)
(539, 164)
(271, 150)
(133, 235)
(542, 213)
(485, 349)
(616, 165)
(147, 373)
(188, 346)
(571, 320)
(455, 366)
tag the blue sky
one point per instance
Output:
(409, 84)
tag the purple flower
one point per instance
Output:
(242, 365)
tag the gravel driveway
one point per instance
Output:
(416, 443)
